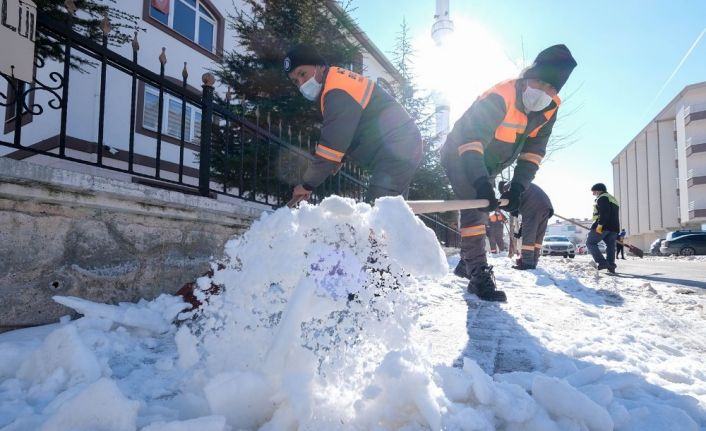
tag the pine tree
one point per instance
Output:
(265, 31)
(86, 21)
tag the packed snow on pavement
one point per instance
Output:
(343, 316)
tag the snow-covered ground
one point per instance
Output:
(346, 317)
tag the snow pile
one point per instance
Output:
(317, 308)
(339, 316)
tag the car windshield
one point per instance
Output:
(556, 239)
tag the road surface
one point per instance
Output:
(681, 272)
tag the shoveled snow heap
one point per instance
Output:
(331, 317)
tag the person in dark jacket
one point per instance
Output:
(620, 249)
(496, 231)
(606, 225)
(512, 121)
(360, 121)
(535, 209)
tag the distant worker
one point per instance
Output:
(360, 122)
(535, 209)
(606, 225)
(496, 228)
(620, 249)
(510, 122)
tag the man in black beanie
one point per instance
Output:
(511, 121)
(605, 227)
(360, 122)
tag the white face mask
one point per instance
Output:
(311, 89)
(535, 99)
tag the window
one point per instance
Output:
(10, 106)
(171, 116)
(190, 18)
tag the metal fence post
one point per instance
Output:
(206, 124)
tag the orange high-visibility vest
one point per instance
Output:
(359, 87)
(515, 121)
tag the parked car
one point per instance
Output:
(583, 249)
(677, 233)
(558, 246)
(654, 247)
(685, 245)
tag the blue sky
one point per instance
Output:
(626, 51)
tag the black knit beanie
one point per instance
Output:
(302, 54)
(553, 66)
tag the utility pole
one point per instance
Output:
(442, 28)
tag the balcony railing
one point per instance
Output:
(695, 112)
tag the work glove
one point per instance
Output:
(514, 196)
(518, 234)
(300, 193)
(599, 229)
(485, 190)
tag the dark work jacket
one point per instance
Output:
(495, 131)
(606, 212)
(535, 202)
(359, 119)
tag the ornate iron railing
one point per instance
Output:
(253, 157)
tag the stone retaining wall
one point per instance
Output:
(69, 233)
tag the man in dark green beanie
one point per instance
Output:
(512, 121)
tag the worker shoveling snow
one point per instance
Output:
(315, 327)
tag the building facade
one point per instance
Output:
(660, 176)
(187, 38)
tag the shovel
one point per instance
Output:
(424, 207)
(634, 250)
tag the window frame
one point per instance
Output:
(189, 135)
(213, 16)
(27, 116)
(169, 98)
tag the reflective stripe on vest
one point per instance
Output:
(611, 199)
(358, 87)
(515, 121)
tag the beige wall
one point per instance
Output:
(652, 166)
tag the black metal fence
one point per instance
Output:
(254, 158)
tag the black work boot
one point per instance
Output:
(519, 264)
(611, 268)
(602, 265)
(460, 270)
(482, 284)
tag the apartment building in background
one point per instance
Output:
(660, 176)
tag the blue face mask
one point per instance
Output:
(535, 99)
(311, 89)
